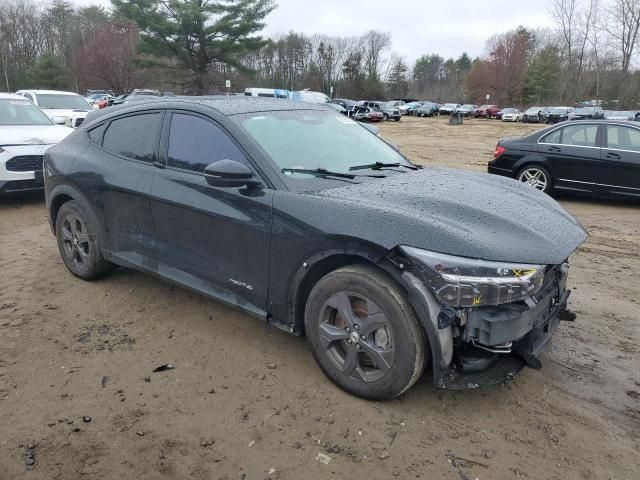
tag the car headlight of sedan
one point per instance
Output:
(467, 282)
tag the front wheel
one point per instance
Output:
(363, 333)
(537, 176)
(385, 117)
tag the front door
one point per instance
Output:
(213, 239)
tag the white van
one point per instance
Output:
(266, 92)
(309, 97)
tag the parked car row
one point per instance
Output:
(369, 110)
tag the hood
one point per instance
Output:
(32, 134)
(461, 213)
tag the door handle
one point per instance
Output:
(613, 156)
(555, 149)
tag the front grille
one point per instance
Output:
(25, 163)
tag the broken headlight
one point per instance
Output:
(468, 282)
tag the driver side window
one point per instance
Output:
(195, 142)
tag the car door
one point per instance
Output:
(116, 176)
(214, 239)
(621, 157)
(572, 154)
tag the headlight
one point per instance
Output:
(468, 282)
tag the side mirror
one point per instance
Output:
(58, 120)
(230, 173)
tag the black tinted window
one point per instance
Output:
(133, 137)
(195, 142)
(96, 134)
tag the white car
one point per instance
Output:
(512, 115)
(25, 134)
(69, 106)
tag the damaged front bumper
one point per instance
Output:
(484, 346)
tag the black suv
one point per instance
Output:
(303, 218)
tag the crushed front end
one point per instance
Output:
(485, 320)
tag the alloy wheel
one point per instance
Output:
(356, 336)
(534, 177)
(75, 241)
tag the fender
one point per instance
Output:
(67, 190)
(369, 254)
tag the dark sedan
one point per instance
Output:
(302, 218)
(559, 114)
(601, 157)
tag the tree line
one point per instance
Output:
(194, 46)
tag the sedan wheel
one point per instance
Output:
(537, 177)
(363, 333)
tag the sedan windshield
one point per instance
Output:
(586, 111)
(21, 112)
(55, 101)
(303, 139)
(559, 110)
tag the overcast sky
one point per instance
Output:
(447, 27)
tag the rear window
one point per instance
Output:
(133, 137)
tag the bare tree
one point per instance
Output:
(622, 23)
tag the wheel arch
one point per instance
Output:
(62, 194)
(528, 160)
(387, 261)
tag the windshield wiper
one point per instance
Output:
(379, 165)
(323, 172)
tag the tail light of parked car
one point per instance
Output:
(498, 151)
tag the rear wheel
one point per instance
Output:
(363, 333)
(78, 242)
(537, 176)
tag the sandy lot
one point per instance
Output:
(246, 401)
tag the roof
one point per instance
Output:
(224, 104)
(11, 96)
(49, 92)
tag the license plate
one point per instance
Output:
(39, 177)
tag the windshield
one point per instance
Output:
(316, 139)
(560, 110)
(508, 110)
(21, 112)
(62, 102)
(533, 110)
(587, 110)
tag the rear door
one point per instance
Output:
(621, 157)
(215, 239)
(573, 155)
(117, 174)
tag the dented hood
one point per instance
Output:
(456, 212)
(32, 134)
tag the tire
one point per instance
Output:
(391, 357)
(536, 173)
(78, 243)
(396, 119)
(385, 117)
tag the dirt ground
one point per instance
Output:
(246, 401)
